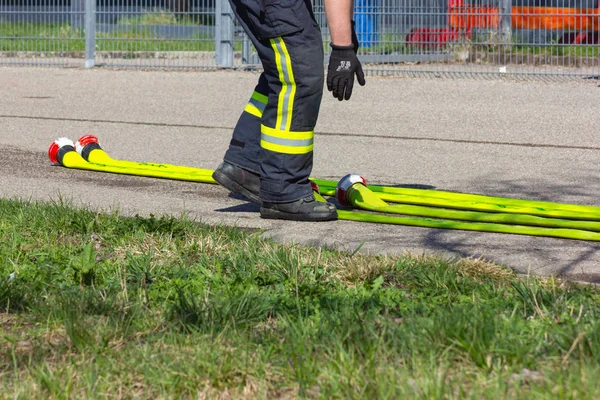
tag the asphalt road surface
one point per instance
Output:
(532, 140)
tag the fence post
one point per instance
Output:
(90, 33)
(505, 10)
(224, 34)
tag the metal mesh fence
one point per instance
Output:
(491, 37)
(40, 32)
(155, 33)
(516, 38)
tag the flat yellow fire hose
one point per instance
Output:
(567, 222)
(89, 148)
(62, 152)
(475, 202)
(362, 197)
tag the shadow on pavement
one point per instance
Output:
(582, 254)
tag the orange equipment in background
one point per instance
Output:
(578, 25)
(468, 16)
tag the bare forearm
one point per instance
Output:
(339, 17)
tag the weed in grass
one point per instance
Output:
(84, 266)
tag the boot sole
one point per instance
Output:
(269, 213)
(235, 187)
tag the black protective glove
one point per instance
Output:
(343, 64)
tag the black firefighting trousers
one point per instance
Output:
(274, 135)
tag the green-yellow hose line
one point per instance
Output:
(323, 189)
(364, 198)
(73, 160)
(466, 226)
(469, 226)
(391, 193)
(416, 197)
(474, 202)
(326, 188)
(99, 156)
(490, 207)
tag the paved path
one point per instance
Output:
(534, 140)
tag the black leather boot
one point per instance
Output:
(305, 209)
(239, 180)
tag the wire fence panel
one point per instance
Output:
(516, 38)
(156, 33)
(503, 37)
(40, 32)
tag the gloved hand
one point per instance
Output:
(343, 64)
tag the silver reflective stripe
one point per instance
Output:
(286, 142)
(288, 87)
(261, 106)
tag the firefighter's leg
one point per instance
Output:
(287, 130)
(288, 41)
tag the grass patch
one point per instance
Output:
(97, 305)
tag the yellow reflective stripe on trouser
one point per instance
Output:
(256, 105)
(286, 142)
(285, 103)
